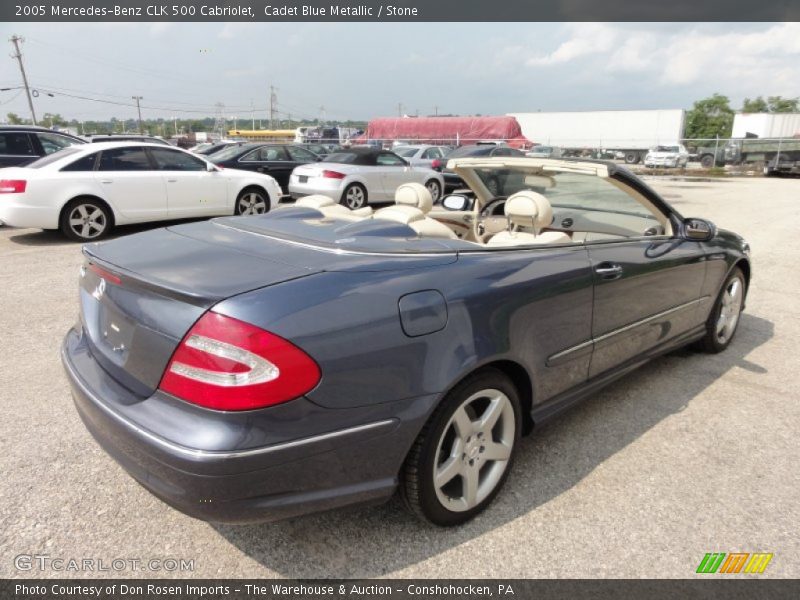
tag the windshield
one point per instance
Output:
(405, 152)
(229, 152)
(51, 158)
(666, 149)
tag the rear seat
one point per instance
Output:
(331, 209)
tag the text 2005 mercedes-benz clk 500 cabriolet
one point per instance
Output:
(257, 368)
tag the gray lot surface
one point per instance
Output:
(691, 454)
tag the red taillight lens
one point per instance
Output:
(104, 274)
(333, 174)
(226, 364)
(13, 186)
(436, 164)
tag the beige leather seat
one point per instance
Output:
(331, 209)
(413, 202)
(532, 211)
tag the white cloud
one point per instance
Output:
(586, 39)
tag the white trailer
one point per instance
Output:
(630, 132)
(766, 125)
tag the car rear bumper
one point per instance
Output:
(355, 464)
(317, 185)
(15, 214)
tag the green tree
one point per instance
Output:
(14, 119)
(782, 105)
(53, 119)
(709, 118)
(757, 105)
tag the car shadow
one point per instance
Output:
(374, 541)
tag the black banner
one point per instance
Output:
(402, 10)
(402, 589)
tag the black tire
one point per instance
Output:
(707, 161)
(713, 342)
(252, 201)
(432, 186)
(354, 196)
(417, 487)
(86, 220)
(632, 158)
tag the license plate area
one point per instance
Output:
(115, 330)
(302, 178)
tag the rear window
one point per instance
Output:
(405, 152)
(351, 158)
(471, 151)
(51, 158)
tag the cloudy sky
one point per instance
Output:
(361, 71)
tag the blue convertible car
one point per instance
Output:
(256, 368)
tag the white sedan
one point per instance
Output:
(86, 190)
(360, 175)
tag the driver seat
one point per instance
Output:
(530, 210)
(412, 203)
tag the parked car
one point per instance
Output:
(542, 151)
(321, 150)
(452, 180)
(423, 155)
(361, 175)
(263, 368)
(667, 156)
(86, 190)
(20, 144)
(128, 137)
(276, 160)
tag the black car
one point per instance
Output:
(112, 137)
(214, 148)
(453, 182)
(276, 160)
(321, 150)
(20, 144)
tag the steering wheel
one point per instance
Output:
(486, 224)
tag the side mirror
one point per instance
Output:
(456, 202)
(698, 230)
(211, 168)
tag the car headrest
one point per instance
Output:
(315, 201)
(529, 209)
(414, 194)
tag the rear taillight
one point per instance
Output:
(436, 164)
(333, 174)
(226, 364)
(13, 186)
(105, 274)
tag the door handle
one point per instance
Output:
(608, 270)
(171, 180)
(106, 181)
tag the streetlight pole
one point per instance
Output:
(138, 110)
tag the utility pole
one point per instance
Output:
(15, 39)
(399, 109)
(436, 111)
(138, 110)
(321, 115)
(253, 113)
(273, 98)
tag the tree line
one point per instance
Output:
(713, 116)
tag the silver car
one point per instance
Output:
(360, 175)
(423, 155)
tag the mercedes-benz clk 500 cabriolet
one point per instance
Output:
(256, 368)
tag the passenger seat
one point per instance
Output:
(331, 209)
(413, 202)
(530, 210)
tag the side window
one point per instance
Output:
(16, 144)
(82, 164)
(432, 153)
(273, 153)
(387, 159)
(252, 156)
(52, 142)
(301, 155)
(124, 159)
(174, 160)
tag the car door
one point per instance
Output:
(129, 181)
(647, 282)
(16, 148)
(192, 190)
(271, 160)
(394, 172)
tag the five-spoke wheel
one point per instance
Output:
(85, 220)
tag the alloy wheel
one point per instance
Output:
(354, 197)
(433, 188)
(87, 221)
(474, 450)
(252, 203)
(730, 309)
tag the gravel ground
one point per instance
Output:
(691, 454)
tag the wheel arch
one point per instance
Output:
(249, 185)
